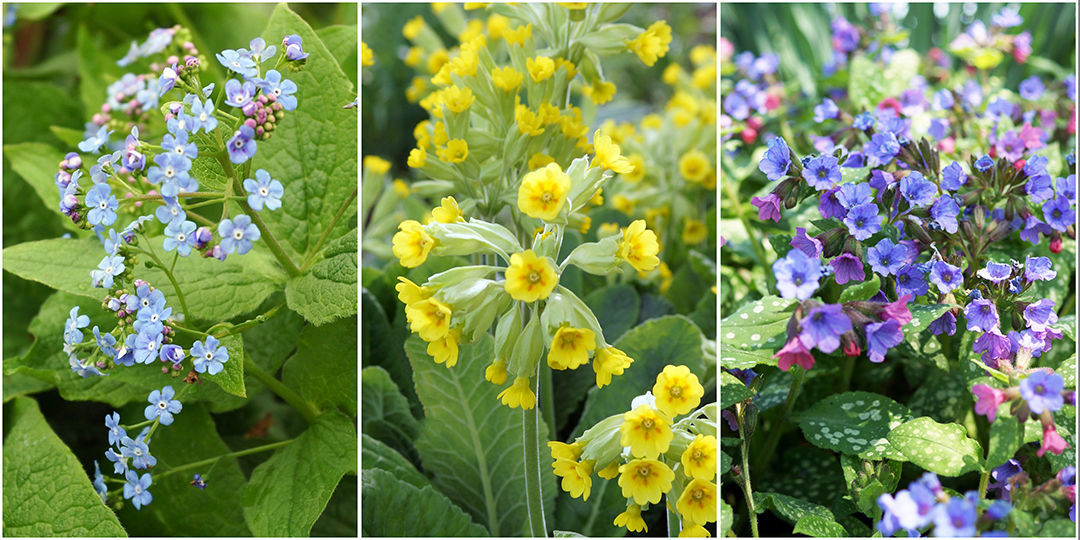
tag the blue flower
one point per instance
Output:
(202, 114)
(99, 482)
(128, 234)
(146, 347)
(282, 90)
(886, 258)
(1033, 227)
(807, 244)
(946, 276)
(777, 159)
(95, 141)
(237, 94)
(854, 160)
(242, 145)
(198, 481)
(823, 326)
(237, 235)
(882, 336)
(171, 211)
(102, 205)
(826, 110)
(998, 510)
(1040, 316)
(945, 212)
(863, 221)
(116, 432)
(1007, 18)
(105, 342)
(137, 488)
(167, 80)
(120, 463)
(943, 99)
(260, 50)
(72, 334)
(263, 190)
(294, 47)
(1058, 213)
(1042, 391)
(1039, 187)
(162, 405)
(1067, 187)
(797, 275)
(179, 145)
(1001, 475)
(209, 356)
(108, 268)
(917, 189)
(883, 147)
(984, 163)
(172, 353)
(180, 122)
(956, 518)
(84, 371)
(170, 168)
(1032, 88)
(995, 272)
(822, 172)
(851, 195)
(910, 279)
(863, 121)
(939, 128)
(945, 324)
(179, 235)
(981, 315)
(234, 61)
(138, 451)
(1038, 269)
(736, 106)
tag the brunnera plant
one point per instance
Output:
(915, 320)
(212, 244)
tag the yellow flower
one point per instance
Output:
(376, 164)
(682, 100)
(631, 519)
(639, 246)
(699, 459)
(439, 7)
(518, 394)
(645, 480)
(549, 113)
(539, 159)
(694, 232)
(677, 390)
(417, 157)
(400, 187)
(609, 361)
(496, 25)
(570, 348)
(607, 154)
(530, 278)
(572, 125)
(597, 198)
(475, 27)
(586, 222)
(561, 450)
(448, 212)
(438, 135)
(609, 472)
(412, 58)
(671, 74)
(412, 244)
(413, 27)
(646, 431)
(475, 5)
(694, 165)
(442, 77)
(652, 43)
(367, 58)
(528, 122)
(496, 372)
(458, 99)
(543, 192)
(540, 68)
(576, 479)
(409, 292)
(600, 92)
(429, 318)
(704, 77)
(416, 89)
(420, 133)
(607, 229)
(455, 151)
(506, 78)
(702, 54)
(569, 66)
(693, 530)
(698, 501)
(623, 204)
(437, 60)
(464, 64)
(636, 175)
(652, 121)
(445, 349)
(518, 35)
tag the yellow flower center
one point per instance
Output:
(697, 495)
(675, 391)
(546, 197)
(647, 423)
(643, 472)
(534, 277)
(697, 456)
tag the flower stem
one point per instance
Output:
(673, 525)
(169, 274)
(197, 464)
(534, 500)
(984, 481)
(271, 241)
(775, 432)
(547, 396)
(322, 239)
(847, 367)
(759, 250)
(284, 392)
(252, 322)
(748, 491)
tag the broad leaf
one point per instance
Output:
(323, 369)
(327, 292)
(616, 308)
(732, 390)
(393, 507)
(36, 163)
(754, 333)
(861, 291)
(386, 412)
(1005, 439)
(818, 527)
(941, 448)
(374, 454)
(854, 423)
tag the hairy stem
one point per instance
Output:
(534, 500)
(748, 491)
(271, 242)
(322, 239)
(168, 273)
(213, 460)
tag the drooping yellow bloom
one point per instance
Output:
(639, 246)
(693, 530)
(367, 57)
(576, 479)
(698, 501)
(539, 159)
(638, 162)
(376, 164)
(496, 25)
(693, 165)
(436, 60)
(570, 348)
(400, 187)
(572, 124)
(448, 211)
(540, 68)
(420, 133)
(506, 78)
(600, 92)
(409, 292)
(429, 318)
(561, 450)
(518, 35)
(645, 480)
(530, 278)
(597, 198)
(586, 222)
(518, 394)
(677, 390)
(439, 7)
(412, 244)
(528, 122)
(458, 99)
(608, 154)
(609, 472)
(543, 192)
(699, 459)
(464, 64)
(569, 66)
(631, 519)
(439, 135)
(417, 157)
(623, 204)
(607, 229)
(646, 431)
(609, 361)
(496, 372)
(442, 78)
(445, 349)
(651, 44)
(694, 232)
(413, 27)
(455, 151)
(416, 89)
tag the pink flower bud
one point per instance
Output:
(794, 353)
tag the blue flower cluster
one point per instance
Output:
(924, 504)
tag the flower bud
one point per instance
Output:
(203, 235)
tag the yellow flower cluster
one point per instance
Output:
(430, 319)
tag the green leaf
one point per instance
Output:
(393, 507)
(231, 378)
(1067, 370)
(327, 292)
(339, 518)
(386, 412)
(46, 489)
(323, 369)
(287, 492)
(340, 40)
(806, 472)
(941, 448)
(567, 534)
(35, 11)
(862, 291)
(854, 423)
(95, 64)
(818, 527)
(727, 519)
(374, 454)
(922, 315)
(1005, 440)
(791, 509)
(1058, 528)
(616, 308)
(757, 329)
(854, 174)
(943, 396)
(732, 390)
(36, 163)
(725, 463)
(472, 444)
(313, 150)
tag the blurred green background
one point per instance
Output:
(800, 33)
(388, 119)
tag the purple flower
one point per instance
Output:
(1007, 18)
(952, 177)
(1001, 475)
(956, 518)
(886, 257)
(851, 195)
(807, 244)
(134, 160)
(944, 212)
(854, 160)
(1000, 108)
(1033, 227)
(995, 272)
(863, 221)
(823, 172)
(882, 336)
(736, 106)
(1038, 269)
(911, 510)
(1067, 187)
(847, 267)
(984, 163)
(768, 207)
(917, 189)
(943, 99)
(829, 206)
(294, 47)
(1042, 391)
(1011, 146)
(237, 94)
(946, 276)
(939, 128)
(1032, 88)
(910, 279)
(992, 346)
(981, 315)
(1058, 213)
(883, 147)
(242, 145)
(845, 36)
(945, 324)
(880, 180)
(797, 275)
(1040, 315)
(823, 326)
(826, 110)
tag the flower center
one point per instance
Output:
(647, 423)
(202, 117)
(238, 234)
(697, 494)
(947, 278)
(821, 173)
(181, 237)
(108, 269)
(534, 277)
(643, 472)
(162, 404)
(859, 222)
(209, 356)
(675, 391)
(264, 192)
(697, 455)
(1039, 389)
(546, 197)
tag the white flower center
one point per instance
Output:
(238, 234)
(108, 269)
(262, 191)
(181, 237)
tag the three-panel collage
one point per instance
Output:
(486, 269)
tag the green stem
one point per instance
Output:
(169, 274)
(673, 524)
(185, 329)
(534, 501)
(272, 242)
(748, 491)
(984, 481)
(182, 195)
(547, 396)
(252, 322)
(284, 392)
(322, 239)
(775, 432)
(759, 250)
(197, 464)
(139, 425)
(848, 368)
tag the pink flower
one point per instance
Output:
(768, 207)
(989, 399)
(1052, 441)
(794, 353)
(898, 310)
(1032, 136)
